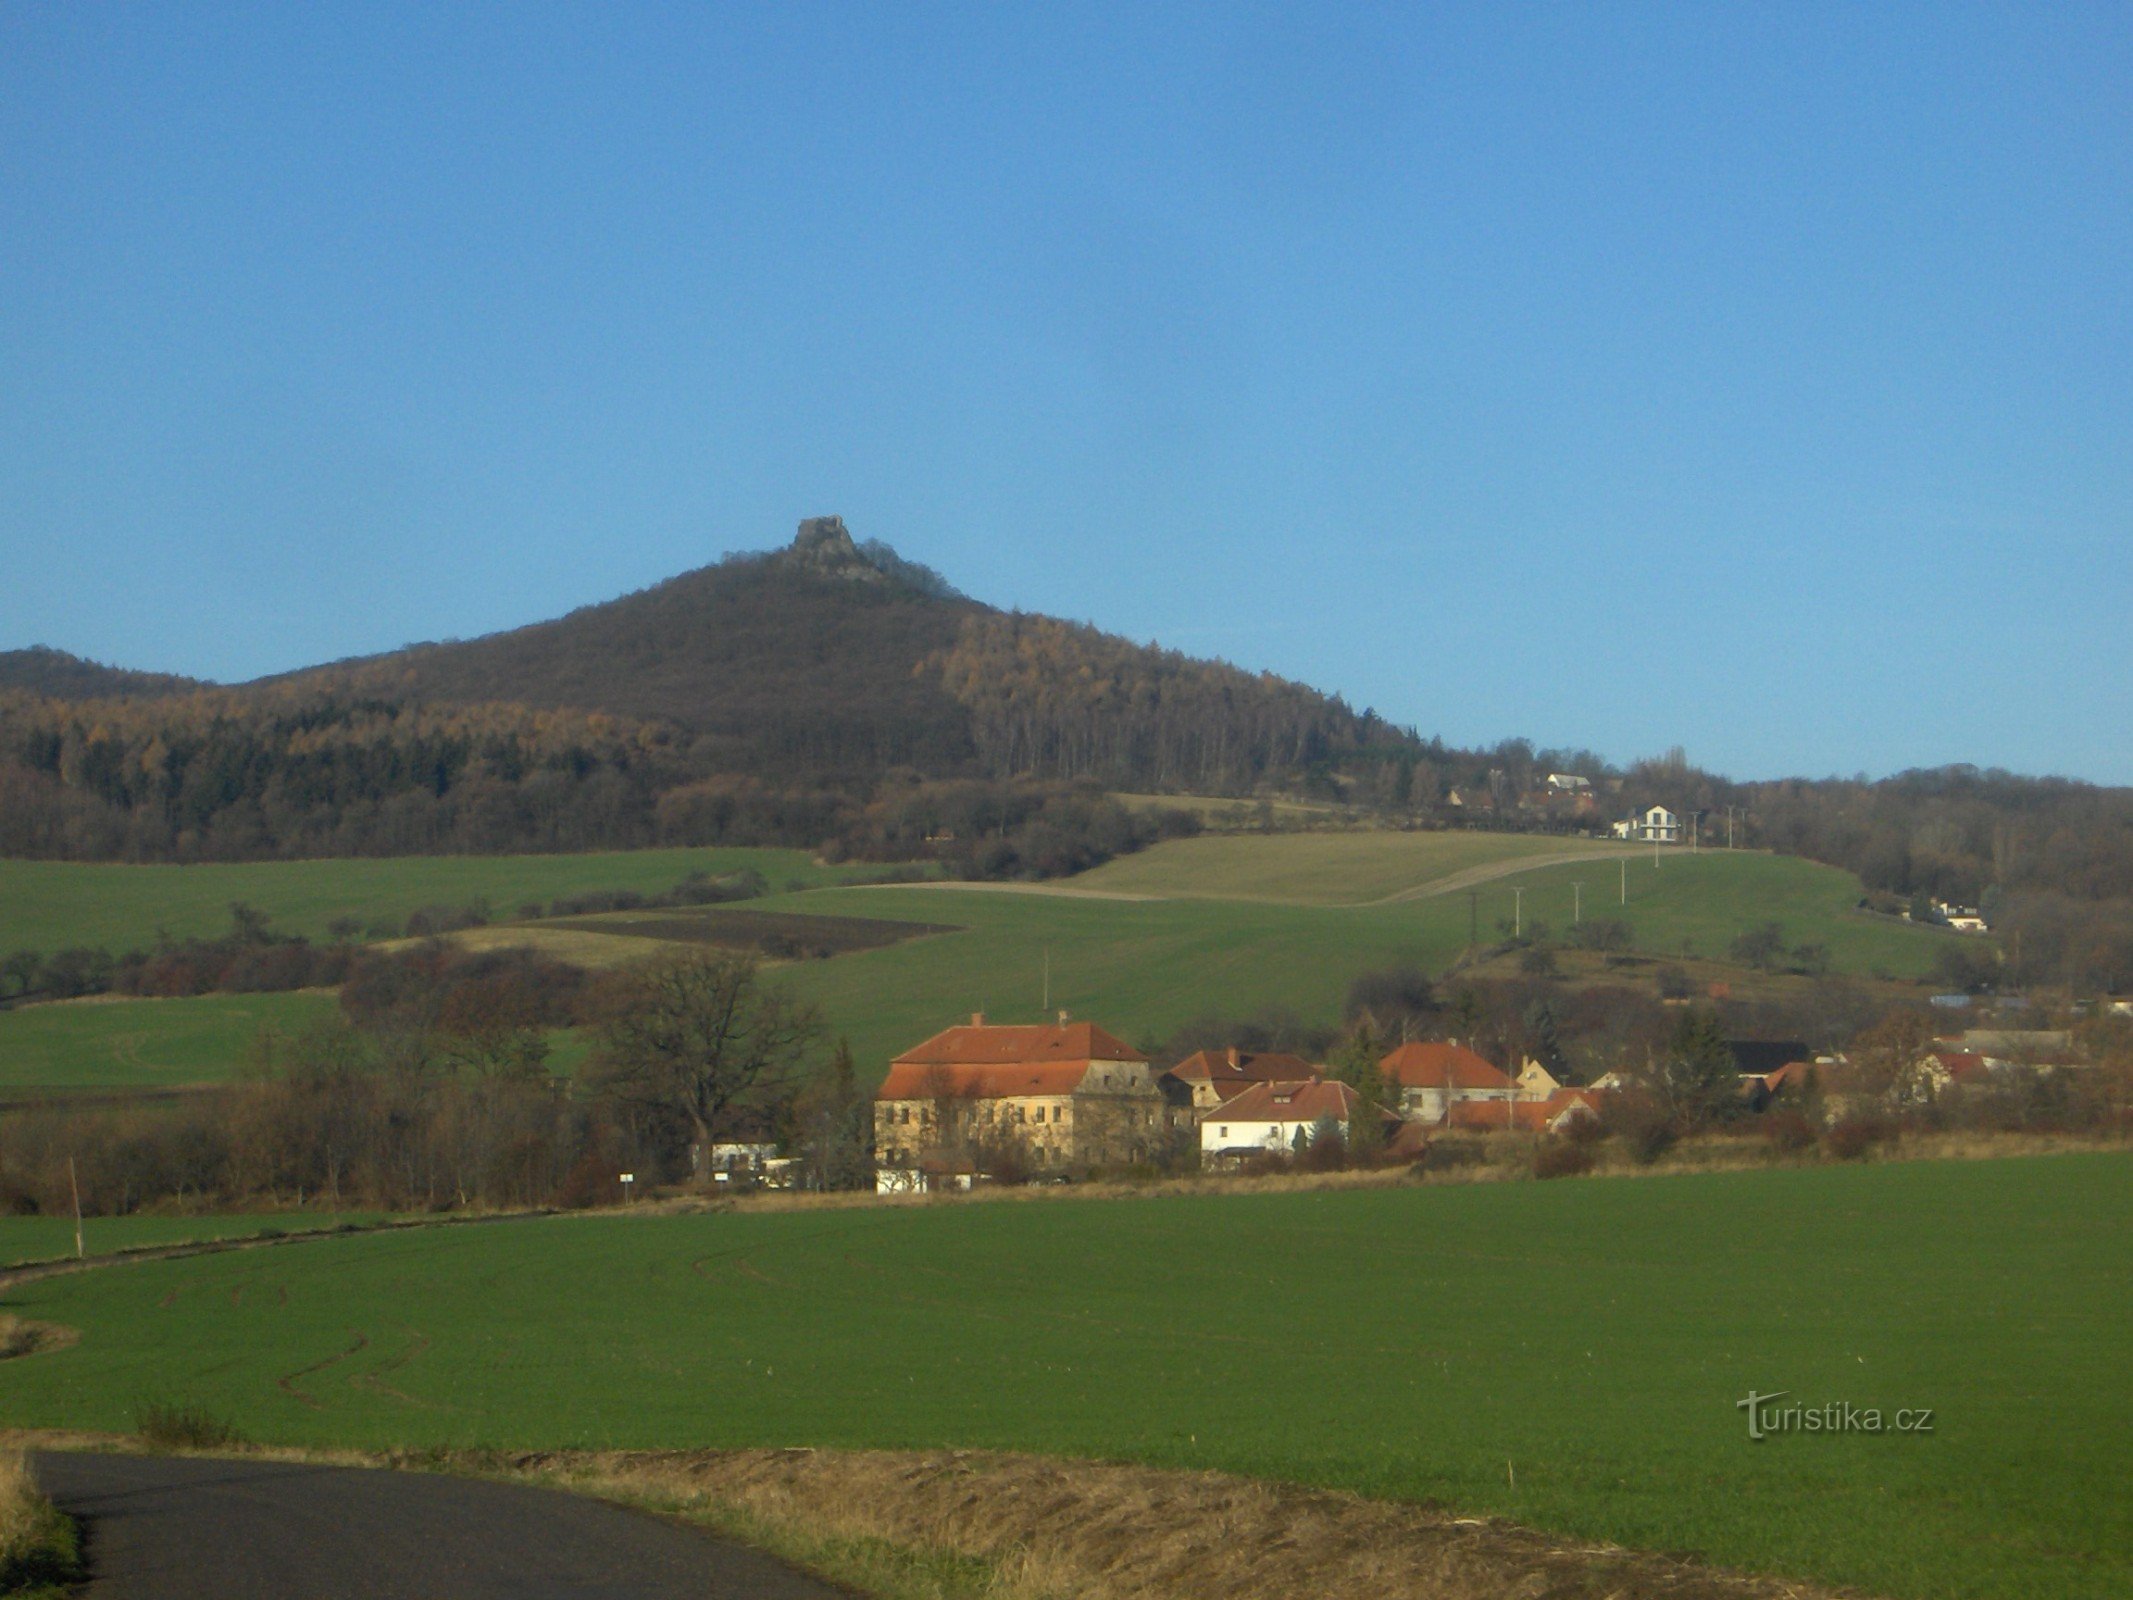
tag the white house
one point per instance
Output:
(1657, 826)
(1433, 1077)
(1274, 1118)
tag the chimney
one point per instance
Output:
(1062, 1019)
(977, 1019)
(1236, 1057)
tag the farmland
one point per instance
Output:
(1566, 1354)
(1322, 868)
(1205, 935)
(123, 1045)
(51, 1238)
(46, 905)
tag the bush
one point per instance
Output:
(1788, 1132)
(1855, 1137)
(1561, 1158)
(40, 1548)
(1648, 1141)
(182, 1427)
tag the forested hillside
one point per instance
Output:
(42, 670)
(825, 694)
(835, 696)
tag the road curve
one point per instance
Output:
(173, 1528)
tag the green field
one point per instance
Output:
(1142, 967)
(1425, 1343)
(143, 1044)
(51, 1238)
(1320, 868)
(48, 905)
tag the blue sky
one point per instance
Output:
(1752, 378)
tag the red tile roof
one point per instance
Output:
(1528, 1116)
(1434, 1066)
(977, 1044)
(1240, 1068)
(1292, 1102)
(915, 1080)
(1961, 1065)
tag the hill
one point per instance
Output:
(804, 660)
(785, 698)
(41, 670)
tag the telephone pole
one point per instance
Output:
(1577, 903)
(1518, 912)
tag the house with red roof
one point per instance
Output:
(1277, 1119)
(1550, 1115)
(1210, 1078)
(1047, 1097)
(1434, 1076)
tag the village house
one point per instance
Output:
(1552, 1114)
(1208, 1078)
(1045, 1098)
(1435, 1076)
(1278, 1119)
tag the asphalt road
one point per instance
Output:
(168, 1528)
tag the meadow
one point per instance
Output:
(1145, 967)
(122, 1045)
(1566, 1354)
(27, 1239)
(49, 905)
(1214, 942)
(1322, 868)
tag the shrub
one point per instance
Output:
(182, 1427)
(1561, 1158)
(1854, 1137)
(40, 1549)
(1788, 1132)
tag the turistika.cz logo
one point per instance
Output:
(1766, 1417)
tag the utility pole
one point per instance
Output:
(1518, 912)
(1625, 880)
(72, 1183)
(1729, 827)
(1577, 903)
(1473, 918)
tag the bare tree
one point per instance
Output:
(702, 1037)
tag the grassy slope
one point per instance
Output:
(1404, 1342)
(1144, 967)
(1140, 967)
(45, 905)
(1314, 868)
(143, 1044)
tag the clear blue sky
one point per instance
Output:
(1752, 378)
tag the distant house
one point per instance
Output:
(1568, 783)
(1536, 1082)
(1552, 1115)
(1209, 1078)
(1657, 825)
(1435, 1076)
(1046, 1096)
(1277, 1118)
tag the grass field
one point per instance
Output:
(1591, 1338)
(143, 1044)
(1141, 967)
(1144, 967)
(51, 1238)
(47, 905)
(1319, 868)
